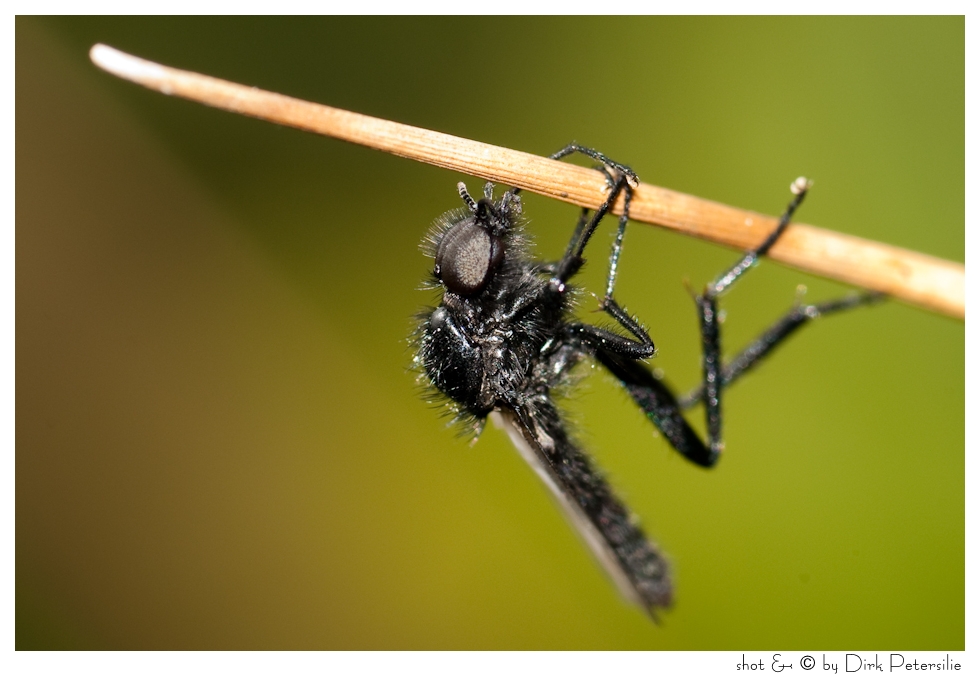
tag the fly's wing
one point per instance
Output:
(635, 564)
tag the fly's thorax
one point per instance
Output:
(452, 360)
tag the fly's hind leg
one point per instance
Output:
(715, 376)
(774, 336)
(707, 304)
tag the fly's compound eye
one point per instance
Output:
(467, 257)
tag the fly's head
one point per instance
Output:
(469, 245)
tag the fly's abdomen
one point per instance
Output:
(634, 563)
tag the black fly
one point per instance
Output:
(503, 339)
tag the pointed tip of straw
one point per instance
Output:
(128, 67)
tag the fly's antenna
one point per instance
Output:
(465, 195)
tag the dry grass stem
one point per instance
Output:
(922, 280)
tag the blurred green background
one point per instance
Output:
(219, 442)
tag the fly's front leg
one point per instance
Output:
(583, 220)
(643, 347)
(618, 183)
(572, 261)
(605, 341)
(597, 338)
(575, 147)
(621, 179)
